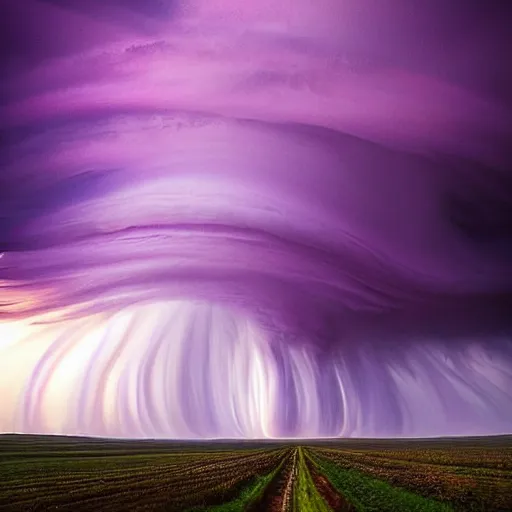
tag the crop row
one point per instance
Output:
(465, 488)
(179, 486)
(107, 467)
(363, 492)
(474, 458)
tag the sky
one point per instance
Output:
(236, 219)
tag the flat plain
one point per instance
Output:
(39, 473)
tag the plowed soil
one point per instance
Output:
(277, 497)
(333, 498)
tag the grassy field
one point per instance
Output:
(39, 473)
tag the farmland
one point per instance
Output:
(39, 473)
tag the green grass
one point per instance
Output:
(371, 495)
(249, 494)
(306, 496)
(481, 483)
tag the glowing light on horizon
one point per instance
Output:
(186, 369)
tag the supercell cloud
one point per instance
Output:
(225, 218)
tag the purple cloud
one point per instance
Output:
(257, 220)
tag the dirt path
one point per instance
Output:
(277, 497)
(288, 490)
(336, 501)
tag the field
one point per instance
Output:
(39, 473)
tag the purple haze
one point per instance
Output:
(257, 218)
